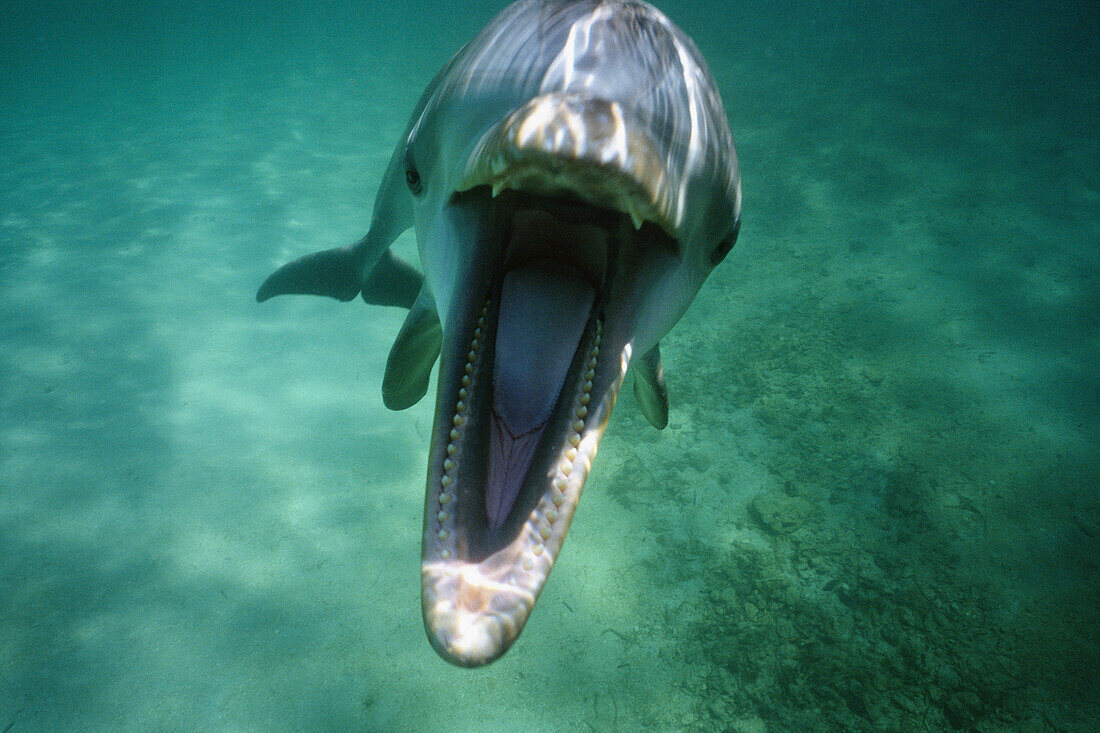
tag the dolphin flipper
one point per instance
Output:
(337, 274)
(413, 353)
(365, 266)
(333, 272)
(649, 387)
(393, 282)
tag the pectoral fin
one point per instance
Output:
(337, 273)
(413, 353)
(366, 266)
(649, 387)
(393, 282)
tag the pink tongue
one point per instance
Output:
(542, 318)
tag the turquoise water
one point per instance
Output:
(875, 506)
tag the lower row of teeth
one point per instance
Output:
(560, 483)
(450, 463)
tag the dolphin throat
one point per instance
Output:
(543, 312)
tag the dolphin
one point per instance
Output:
(572, 180)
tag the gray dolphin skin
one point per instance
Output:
(572, 181)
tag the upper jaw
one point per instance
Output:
(584, 144)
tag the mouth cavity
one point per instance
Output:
(541, 318)
(546, 299)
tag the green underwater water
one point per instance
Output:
(875, 506)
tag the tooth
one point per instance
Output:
(636, 218)
(498, 186)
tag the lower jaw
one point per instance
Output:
(479, 585)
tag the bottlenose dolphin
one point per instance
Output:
(572, 180)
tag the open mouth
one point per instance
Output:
(576, 206)
(527, 384)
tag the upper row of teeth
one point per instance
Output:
(450, 463)
(636, 217)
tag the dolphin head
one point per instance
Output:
(573, 181)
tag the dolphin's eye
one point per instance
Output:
(725, 245)
(412, 177)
